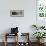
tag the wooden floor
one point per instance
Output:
(13, 44)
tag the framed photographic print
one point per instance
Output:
(17, 13)
(41, 12)
(41, 8)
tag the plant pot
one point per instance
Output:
(40, 41)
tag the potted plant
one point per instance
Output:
(39, 35)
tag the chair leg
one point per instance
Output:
(5, 40)
(5, 44)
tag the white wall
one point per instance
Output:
(24, 23)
